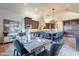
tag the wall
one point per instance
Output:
(6, 14)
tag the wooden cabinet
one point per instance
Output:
(46, 26)
(71, 26)
(31, 22)
(49, 26)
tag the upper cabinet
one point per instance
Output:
(71, 26)
(33, 23)
(49, 26)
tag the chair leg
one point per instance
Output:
(15, 52)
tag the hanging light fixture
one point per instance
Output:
(53, 9)
(53, 19)
(67, 7)
(53, 16)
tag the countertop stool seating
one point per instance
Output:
(57, 36)
(20, 50)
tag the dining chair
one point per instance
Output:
(19, 49)
(54, 49)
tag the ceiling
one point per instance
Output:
(36, 10)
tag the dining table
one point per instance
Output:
(36, 45)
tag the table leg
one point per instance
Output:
(34, 53)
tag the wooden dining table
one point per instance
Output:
(36, 45)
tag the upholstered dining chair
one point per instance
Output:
(55, 48)
(19, 49)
